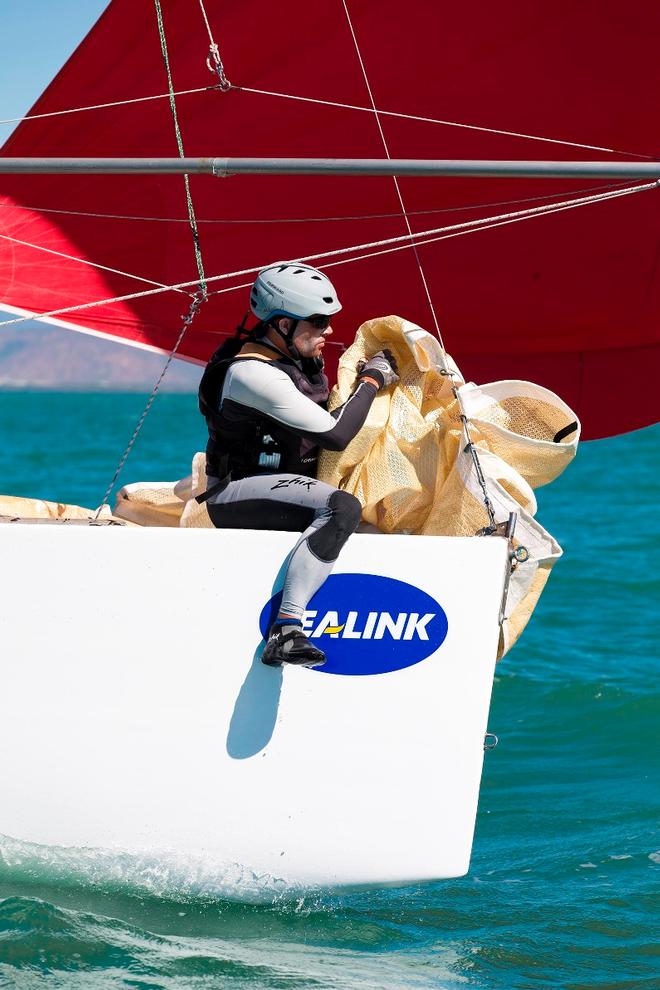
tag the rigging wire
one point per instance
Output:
(198, 299)
(106, 106)
(445, 123)
(179, 142)
(461, 125)
(201, 295)
(394, 178)
(446, 367)
(280, 220)
(423, 238)
(85, 261)
(214, 63)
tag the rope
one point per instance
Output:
(197, 301)
(201, 294)
(423, 238)
(214, 62)
(179, 142)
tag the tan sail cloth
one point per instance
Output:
(196, 516)
(16, 509)
(153, 503)
(167, 503)
(409, 469)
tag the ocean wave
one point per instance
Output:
(163, 874)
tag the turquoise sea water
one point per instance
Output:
(563, 886)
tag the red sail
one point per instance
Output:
(570, 300)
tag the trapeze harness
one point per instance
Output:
(267, 419)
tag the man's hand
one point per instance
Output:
(380, 369)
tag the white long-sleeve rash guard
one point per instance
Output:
(257, 385)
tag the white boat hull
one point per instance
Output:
(135, 713)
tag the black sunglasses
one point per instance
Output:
(319, 322)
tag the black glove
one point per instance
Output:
(381, 367)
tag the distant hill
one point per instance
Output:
(35, 355)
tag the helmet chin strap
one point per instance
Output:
(287, 337)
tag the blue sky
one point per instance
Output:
(37, 38)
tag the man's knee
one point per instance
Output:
(345, 514)
(348, 511)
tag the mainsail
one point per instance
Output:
(570, 299)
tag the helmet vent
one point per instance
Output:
(283, 268)
(299, 271)
(317, 278)
(328, 299)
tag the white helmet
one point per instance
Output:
(295, 290)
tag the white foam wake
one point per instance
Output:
(158, 873)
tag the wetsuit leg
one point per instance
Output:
(324, 515)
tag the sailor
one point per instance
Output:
(264, 396)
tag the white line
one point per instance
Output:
(106, 106)
(85, 261)
(446, 123)
(341, 106)
(483, 223)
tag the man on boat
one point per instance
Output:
(265, 403)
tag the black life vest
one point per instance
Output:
(245, 442)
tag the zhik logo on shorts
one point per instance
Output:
(368, 624)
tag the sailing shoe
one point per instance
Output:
(288, 644)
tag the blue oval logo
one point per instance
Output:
(368, 624)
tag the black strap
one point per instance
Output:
(565, 432)
(213, 490)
